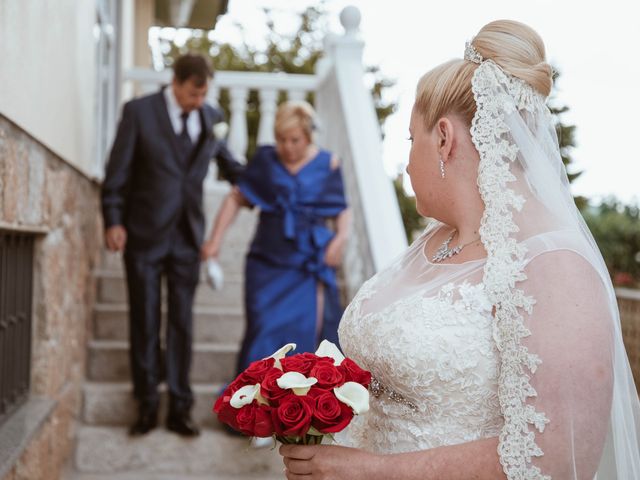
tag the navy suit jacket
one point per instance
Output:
(148, 186)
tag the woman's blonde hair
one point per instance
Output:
(293, 114)
(514, 46)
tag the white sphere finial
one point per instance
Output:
(350, 19)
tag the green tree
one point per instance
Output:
(566, 137)
(295, 53)
(413, 222)
(616, 229)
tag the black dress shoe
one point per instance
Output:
(182, 425)
(147, 421)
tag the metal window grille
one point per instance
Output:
(16, 272)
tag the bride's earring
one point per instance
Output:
(441, 168)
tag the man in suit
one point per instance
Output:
(152, 209)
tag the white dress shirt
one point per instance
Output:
(175, 115)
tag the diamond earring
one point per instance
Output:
(441, 168)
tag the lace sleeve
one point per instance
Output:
(570, 331)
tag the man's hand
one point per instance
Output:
(116, 238)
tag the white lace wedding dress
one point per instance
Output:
(431, 351)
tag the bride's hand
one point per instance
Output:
(324, 462)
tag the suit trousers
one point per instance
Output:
(178, 259)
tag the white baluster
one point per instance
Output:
(268, 100)
(238, 136)
(296, 95)
(213, 95)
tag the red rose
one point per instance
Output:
(314, 392)
(353, 373)
(256, 371)
(269, 388)
(227, 413)
(301, 362)
(255, 420)
(328, 375)
(330, 415)
(293, 416)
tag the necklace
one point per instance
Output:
(445, 252)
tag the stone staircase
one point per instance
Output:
(103, 448)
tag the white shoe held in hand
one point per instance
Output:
(214, 274)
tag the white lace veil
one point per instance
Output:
(566, 391)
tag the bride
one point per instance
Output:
(494, 341)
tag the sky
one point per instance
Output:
(595, 45)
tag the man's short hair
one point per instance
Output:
(192, 66)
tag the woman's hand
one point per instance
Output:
(328, 462)
(209, 249)
(334, 252)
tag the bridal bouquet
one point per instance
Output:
(299, 398)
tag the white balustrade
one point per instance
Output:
(238, 84)
(350, 127)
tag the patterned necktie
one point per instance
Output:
(186, 145)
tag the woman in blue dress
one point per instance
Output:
(291, 294)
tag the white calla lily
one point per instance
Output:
(297, 382)
(245, 395)
(354, 395)
(281, 353)
(328, 349)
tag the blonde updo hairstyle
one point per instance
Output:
(514, 46)
(294, 114)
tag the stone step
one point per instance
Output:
(154, 476)
(211, 323)
(112, 288)
(113, 404)
(108, 361)
(231, 257)
(110, 450)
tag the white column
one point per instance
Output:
(180, 11)
(268, 99)
(238, 127)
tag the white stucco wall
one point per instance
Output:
(47, 74)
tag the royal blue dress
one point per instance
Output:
(286, 258)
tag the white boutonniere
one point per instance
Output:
(220, 130)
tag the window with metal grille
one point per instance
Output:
(16, 272)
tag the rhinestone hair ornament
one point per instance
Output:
(471, 54)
